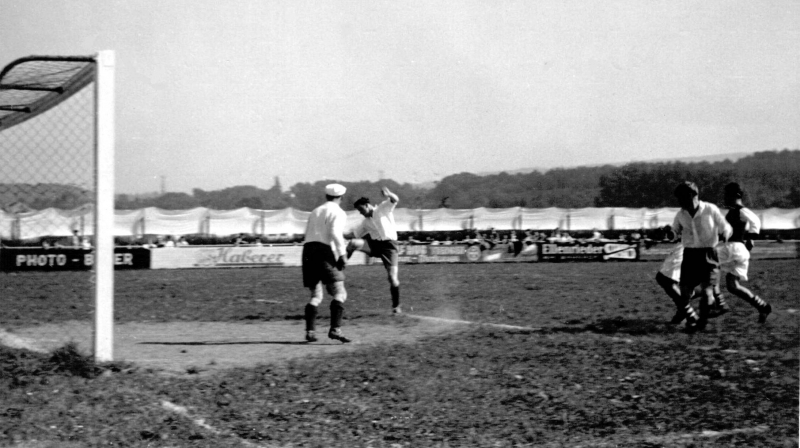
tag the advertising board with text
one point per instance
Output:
(590, 251)
(226, 257)
(68, 259)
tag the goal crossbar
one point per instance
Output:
(32, 85)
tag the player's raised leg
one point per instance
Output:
(357, 244)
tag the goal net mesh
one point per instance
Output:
(47, 183)
(47, 142)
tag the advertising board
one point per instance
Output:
(225, 257)
(68, 259)
(589, 251)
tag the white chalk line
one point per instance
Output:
(199, 422)
(467, 322)
(666, 438)
(674, 437)
(14, 341)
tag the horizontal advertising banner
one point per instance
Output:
(225, 257)
(437, 254)
(590, 251)
(463, 253)
(64, 259)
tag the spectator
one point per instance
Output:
(530, 237)
(75, 239)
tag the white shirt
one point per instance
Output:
(703, 229)
(753, 224)
(326, 225)
(380, 226)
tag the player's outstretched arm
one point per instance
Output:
(388, 194)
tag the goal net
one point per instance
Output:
(57, 175)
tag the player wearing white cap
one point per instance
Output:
(324, 261)
(699, 224)
(379, 234)
(734, 255)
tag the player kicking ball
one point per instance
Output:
(376, 236)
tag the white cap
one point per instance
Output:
(335, 190)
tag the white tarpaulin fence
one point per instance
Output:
(154, 221)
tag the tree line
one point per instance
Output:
(769, 178)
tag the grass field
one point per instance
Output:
(597, 367)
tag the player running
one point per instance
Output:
(669, 276)
(734, 255)
(379, 234)
(324, 261)
(699, 224)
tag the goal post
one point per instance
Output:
(104, 210)
(57, 172)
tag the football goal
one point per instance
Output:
(57, 151)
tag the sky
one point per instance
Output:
(213, 94)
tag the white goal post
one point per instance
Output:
(57, 146)
(104, 210)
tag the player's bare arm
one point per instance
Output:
(391, 196)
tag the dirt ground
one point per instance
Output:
(207, 347)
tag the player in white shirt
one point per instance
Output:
(324, 261)
(699, 225)
(377, 237)
(734, 254)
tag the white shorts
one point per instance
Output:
(734, 259)
(672, 264)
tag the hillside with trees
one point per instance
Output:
(770, 179)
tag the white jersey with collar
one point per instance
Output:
(380, 226)
(326, 225)
(702, 230)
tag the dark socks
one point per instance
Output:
(337, 311)
(395, 290)
(311, 317)
(755, 301)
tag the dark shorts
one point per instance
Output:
(699, 266)
(385, 249)
(319, 265)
